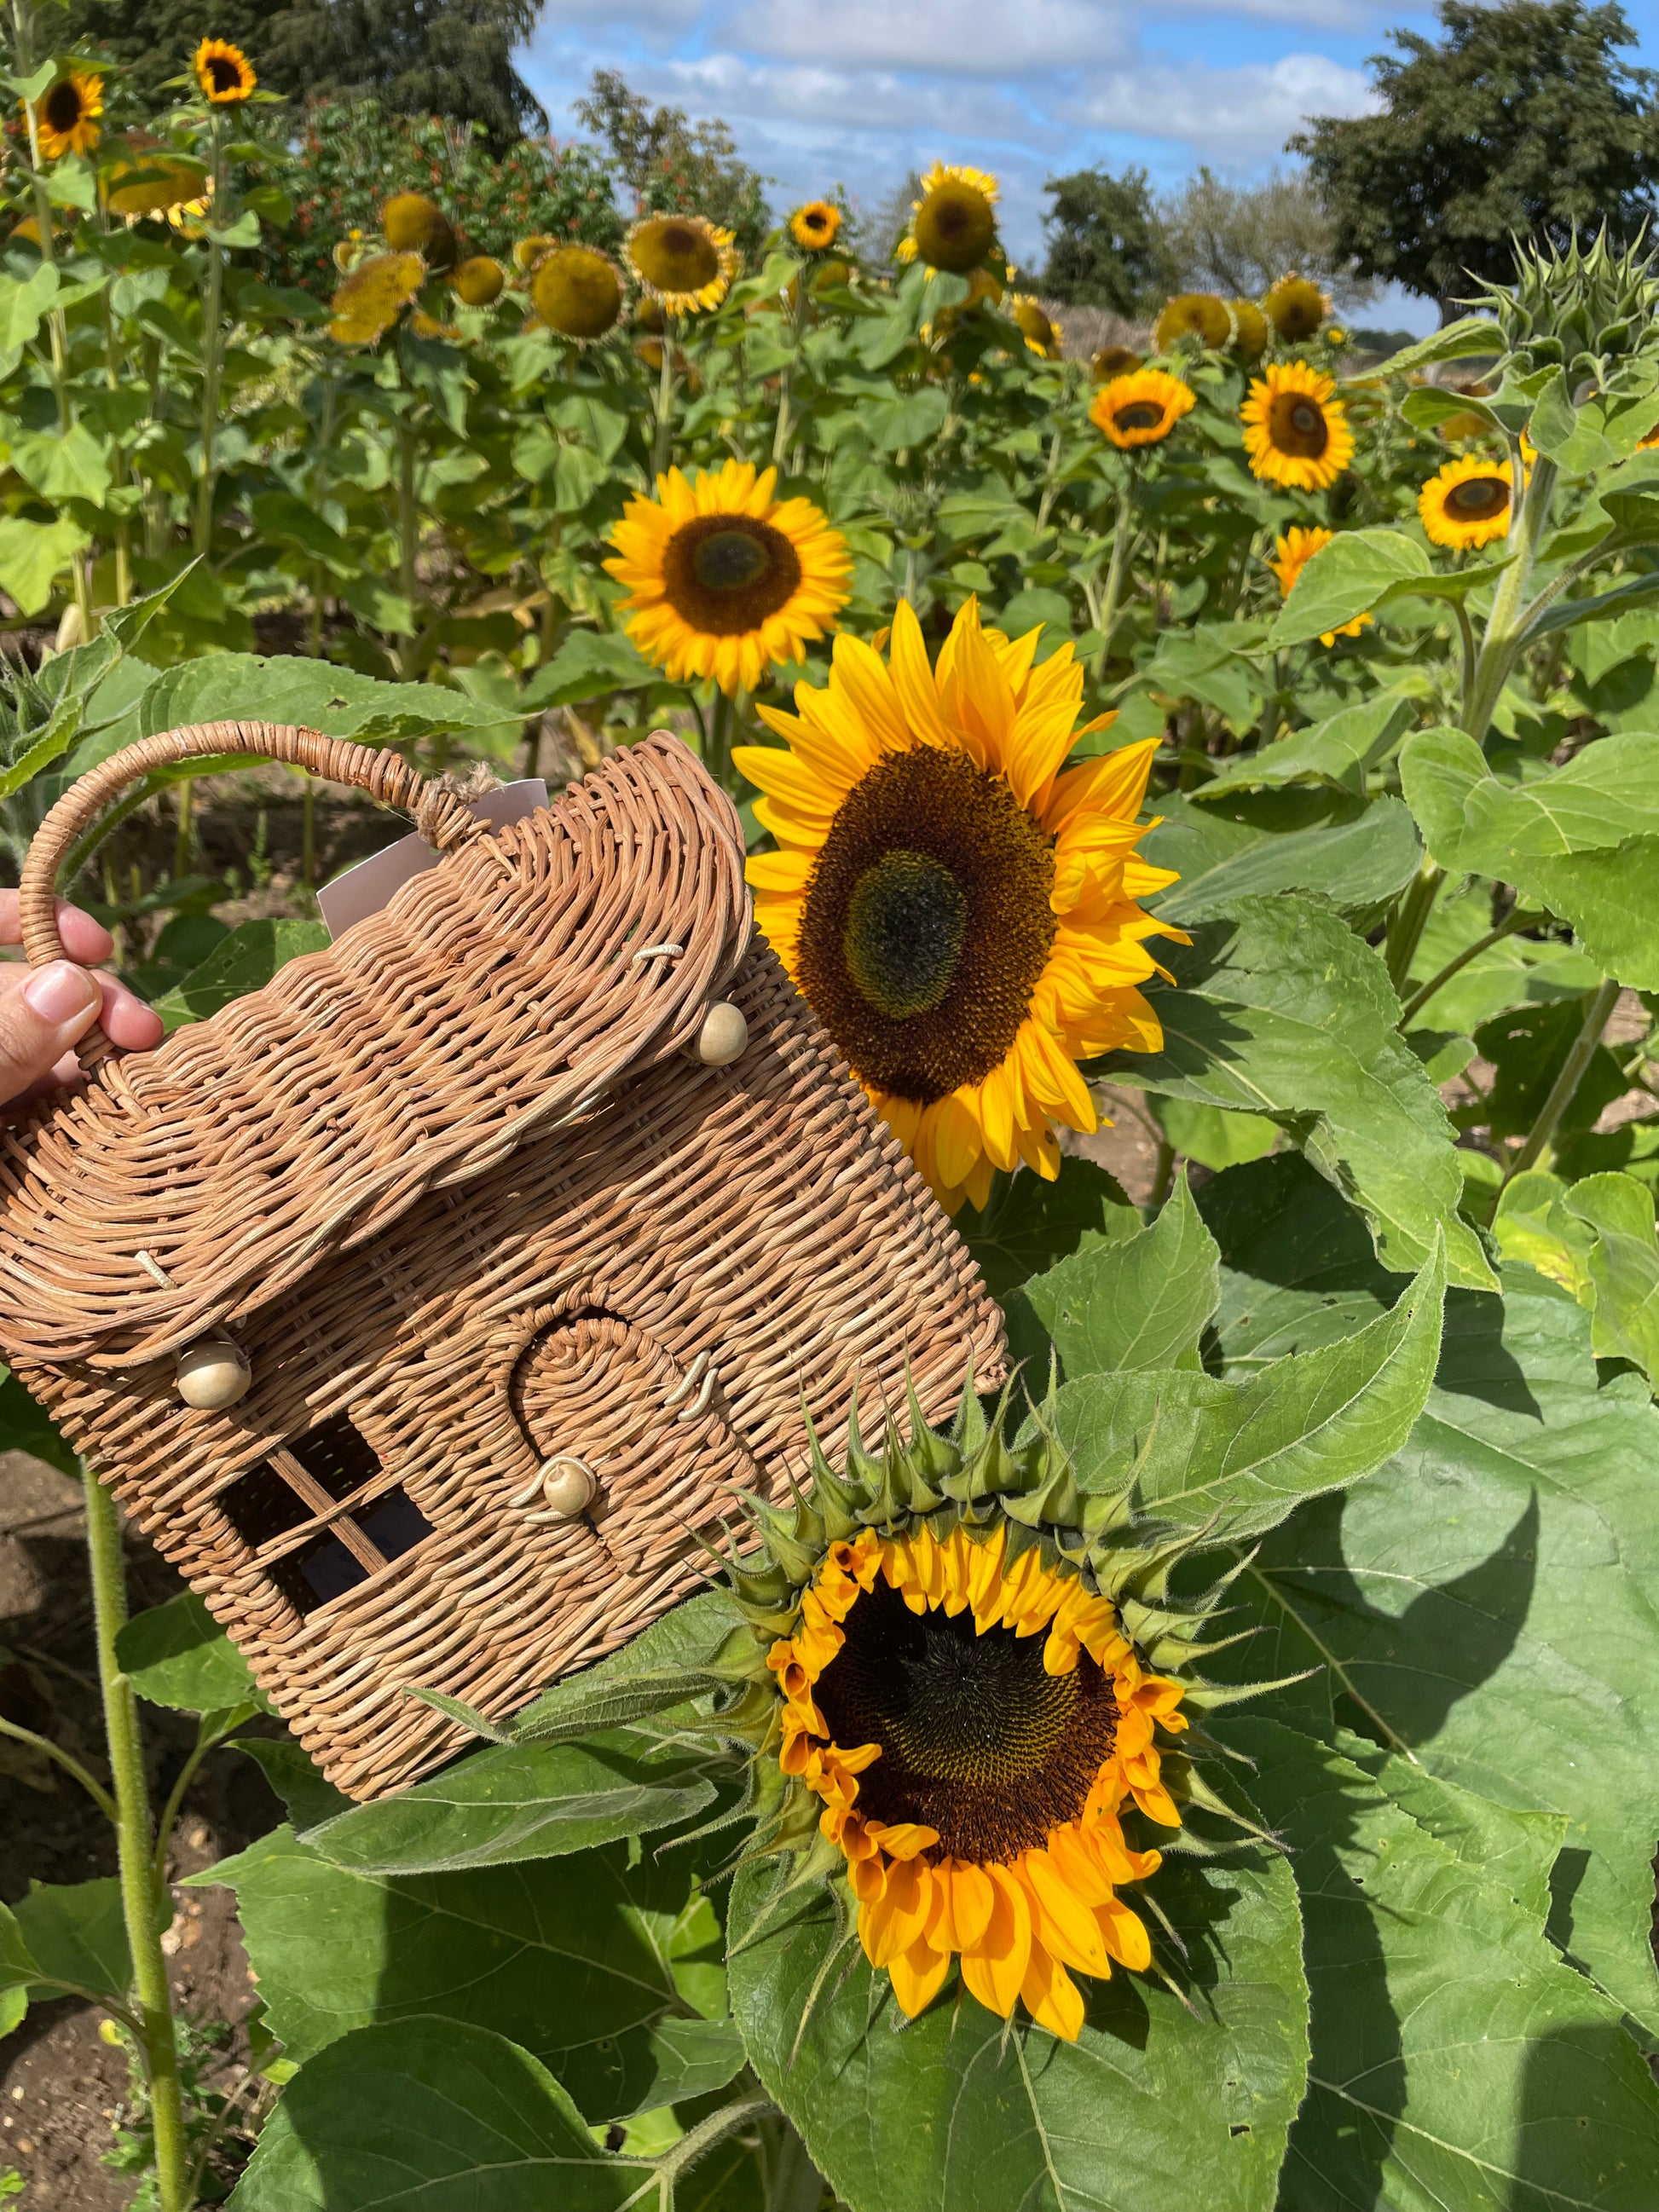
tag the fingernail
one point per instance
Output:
(60, 991)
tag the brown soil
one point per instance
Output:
(61, 2085)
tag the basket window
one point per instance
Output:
(330, 1564)
(303, 1514)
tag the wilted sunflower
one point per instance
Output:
(528, 251)
(577, 291)
(224, 73)
(1466, 503)
(956, 906)
(1199, 315)
(968, 1724)
(1297, 307)
(1295, 430)
(479, 280)
(1114, 361)
(682, 260)
(953, 226)
(373, 296)
(66, 115)
(724, 578)
(815, 226)
(1249, 329)
(1039, 332)
(1293, 551)
(414, 224)
(149, 178)
(1140, 409)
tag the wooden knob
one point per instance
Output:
(212, 1373)
(568, 1486)
(723, 1037)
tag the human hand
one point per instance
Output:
(44, 1010)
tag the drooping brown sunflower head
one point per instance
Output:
(577, 291)
(1298, 308)
(528, 251)
(411, 223)
(953, 226)
(1201, 315)
(224, 73)
(66, 117)
(1250, 331)
(478, 281)
(1040, 333)
(684, 261)
(1113, 361)
(373, 296)
(815, 227)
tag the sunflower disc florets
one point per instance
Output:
(684, 261)
(953, 226)
(577, 291)
(970, 1733)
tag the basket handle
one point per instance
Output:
(442, 815)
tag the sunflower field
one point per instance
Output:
(1217, 1775)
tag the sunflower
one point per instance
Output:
(577, 291)
(1250, 331)
(1113, 361)
(479, 280)
(373, 296)
(528, 251)
(149, 178)
(953, 226)
(815, 226)
(224, 73)
(66, 115)
(683, 261)
(1296, 306)
(724, 578)
(958, 909)
(1294, 550)
(1140, 409)
(1199, 315)
(1040, 333)
(1296, 431)
(412, 224)
(1466, 503)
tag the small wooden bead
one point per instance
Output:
(212, 1373)
(568, 1486)
(723, 1037)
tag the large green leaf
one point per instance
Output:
(75, 1934)
(1027, 1223)
(1138, 1302)
(1489, 1599)
(1583, 841)
(243, 962)
(1349, 577)
(429, 2117)
(1457, 2060)
(1356, 864)
(1283, 1011)
(177, 1655)
(573, 1958)
(1596, 1238)
(1156, 2108)
(1233, 1458)
(32, 556)
(1345, 744)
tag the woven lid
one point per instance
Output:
(494, 998)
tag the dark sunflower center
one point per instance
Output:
(955, 227)
(977, 1740)
(225, 74)
(928, 923)
(62, 105)
(724, 573)
(905, 923)
(1139, 415)
(1478, 499)
(1298, 426)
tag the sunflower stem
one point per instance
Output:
(1564, 1088)
(1408, 921)
(1114, 591)
(1506, 627)
(1517, 918)
(783, 429)
(662, 443)
(212, 348)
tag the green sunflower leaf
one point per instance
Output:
(403, 2117)
(1349, 577)
(1027, 1223)
(1457, 2060)
(1356, 864)
(1282, 1011)
(1583, 841)
(1157, 2107)
(1141, 1303)
(1233, 1459)
(594, 1966)
(177, 1655)
(1347, 743)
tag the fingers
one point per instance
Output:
(41, 1017)
(82, 938)
(127, 1020)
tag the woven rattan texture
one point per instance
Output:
(468, 1208)
(494, 995)
(757, 1214)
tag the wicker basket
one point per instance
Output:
(527, 1291)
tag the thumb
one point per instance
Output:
(40, 1021)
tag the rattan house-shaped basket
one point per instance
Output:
(520, 1277)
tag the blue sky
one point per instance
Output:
(858, 92)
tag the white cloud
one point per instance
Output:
(861, 99)
(1241, 115)
(938, 37)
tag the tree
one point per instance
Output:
(153, 40)
(1238, 239)
(1104, 245)
(1522, 121)
(674, 165)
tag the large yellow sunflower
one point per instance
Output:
(726, 579)
(577, 291)
(224, 73)
(957, 907)
(814, 227)
(1199, 315)
(683, 261)
(1466, 503)
(66, 115)
(953, 226)
(1140, 409)
(1292, 553)
(1296, 429)
(976, 1724)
